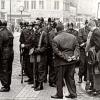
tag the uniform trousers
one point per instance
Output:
(28, 67)
(51, 68)
(39, 70)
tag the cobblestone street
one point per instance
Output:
(25, 92)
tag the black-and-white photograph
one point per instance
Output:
(49, 49)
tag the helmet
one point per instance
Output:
(49, 19)
(86, 22)
(70, 24)
(4, 23)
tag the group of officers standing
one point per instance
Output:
(46, 48)
(38, 52)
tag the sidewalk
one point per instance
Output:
(25, 92)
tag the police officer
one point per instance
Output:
(48, 28)
(50, 55)
(30, 69)
(40, 46)
(25, 43)
(82, 37)
(74, 32)
(6, 57)
(71, 29)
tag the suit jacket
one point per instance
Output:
(95, 39)
(64, 45)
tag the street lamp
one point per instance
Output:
(98, 9)
(21, 9)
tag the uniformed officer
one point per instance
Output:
(74, 32)
(47, 30)
(6, 57)
(71, 29)
(82, 37)
(50, 55)
(25, 44)
(40, 56)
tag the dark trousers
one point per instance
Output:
(66, 72)
(6, 72)
(90, 76)
(39, 71)
(83, 65)
(51, 69)
(28, 67)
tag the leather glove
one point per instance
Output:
(22, 45)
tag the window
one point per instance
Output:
(2, 4)
(56, 5)
(66, 6)
(26, 4)
(33, 4)
(41, 4)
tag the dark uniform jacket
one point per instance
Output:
(50, 37)
(43, 49)
(72, 31)
(26, 37)
(64, 45)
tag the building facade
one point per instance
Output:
(47, 8)
(10, 9)
(65, 10)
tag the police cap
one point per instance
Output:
(49, 19)
(70, 24)
(4, 23)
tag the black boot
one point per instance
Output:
(40, 87)
(87, 85)
(5, 89)
(80, 80)
(36, 84)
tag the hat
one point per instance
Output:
(49, 19)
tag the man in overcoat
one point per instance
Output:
(6, 57)
(66, 51)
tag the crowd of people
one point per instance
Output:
(49, 53)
